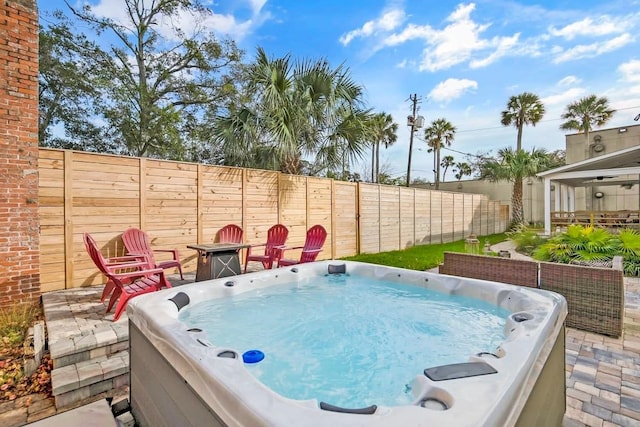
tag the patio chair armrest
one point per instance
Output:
(173, 251)
(280, 250)
(255, 246)
(127, 265)
(139, 273)
(286, 248)
(125, 258)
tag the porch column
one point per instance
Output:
(557, 205)
(572, 199)
(565, 197)
(547, 206)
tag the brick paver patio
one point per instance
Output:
(603, 374)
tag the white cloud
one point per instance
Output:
(504, 46)
(388, 21)
(592, 50)
(112, 9)
(189, 22)
(451, 89)
(564, 98)
(456, 43)
(568, 81)
(630, 71)
(257, 5)
(411, 32)
(588, 27)
(227, 24)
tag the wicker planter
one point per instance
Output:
(595, 296)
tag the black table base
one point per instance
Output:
(216, 265)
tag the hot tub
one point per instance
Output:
(179, 378)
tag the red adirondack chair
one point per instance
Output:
(117, 264)
(230, 233)
(128, 284)
(276, 237)
(314, 241)
(137, 243)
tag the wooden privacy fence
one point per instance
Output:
(179, 204)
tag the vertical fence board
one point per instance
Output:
(468, 214)
(447, 217)
(142, 184)
(319, 210)
(436, 217)
(200, 204)
(389, 218)
(407, 215)
(345, 201)
(368, 203)
(477, 214)
(293, 209)
(51, 201)
(484, 212)
(459, 214)
(422, 217)
(261, 202)
(68, 218)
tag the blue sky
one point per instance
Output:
(463, 59)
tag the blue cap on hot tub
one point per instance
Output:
(252, 356)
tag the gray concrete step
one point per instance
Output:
(82, 380)
(102, 341)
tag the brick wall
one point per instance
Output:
(19, 223)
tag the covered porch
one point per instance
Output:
(603, 191)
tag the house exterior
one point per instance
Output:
(606, 195)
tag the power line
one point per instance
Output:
(451, 149)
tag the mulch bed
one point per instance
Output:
(14, 384)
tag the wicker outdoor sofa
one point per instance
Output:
(595, 296)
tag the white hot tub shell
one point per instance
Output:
(178, 378)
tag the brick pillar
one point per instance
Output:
(19, 222)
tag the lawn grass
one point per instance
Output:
(422, 257)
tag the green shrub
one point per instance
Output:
(588, 243)
(628, 243)
(526, 239)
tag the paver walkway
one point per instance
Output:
(603, 373)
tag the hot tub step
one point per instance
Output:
(91, 344)
(82, 380)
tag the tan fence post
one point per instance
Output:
(68, 222)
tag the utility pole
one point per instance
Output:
(412, 123)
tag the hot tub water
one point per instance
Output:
(348, 340)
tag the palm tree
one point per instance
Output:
(523, 109)
(383, 131)
(301, 109)
(440, 132)
(462, 169)
(514, 165)
(585, 114)
(447, 162)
